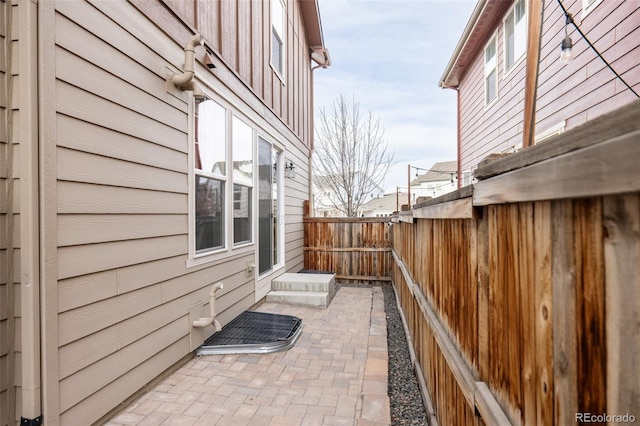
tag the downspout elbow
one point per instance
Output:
(182, 80)
(198, 94)
(206, 322)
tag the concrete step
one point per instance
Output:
(303, 289)
(305, 282)
(318, 299)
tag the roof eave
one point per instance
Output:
(449, 78)
(312, 22)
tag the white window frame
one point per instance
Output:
(245, 184)
(554, 130)
(588, 6)
(519, 37)
(491, 66)
(279, 30)
(230, 249)
(194, 172)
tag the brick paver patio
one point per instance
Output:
(336, 374)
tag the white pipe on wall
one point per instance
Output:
(184, 81)
(205, 322)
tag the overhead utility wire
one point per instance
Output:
(444, 172)
(570, 20)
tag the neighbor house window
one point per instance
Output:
(210, 176)
(515, 34)
(490, 72)
(277, 36)
(588, 6)
(242, 180)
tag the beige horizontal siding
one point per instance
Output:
(77, 166)
(117, 57)
(137, 338)
(100, 403)
(75, 197)
(86, 289)
(88, 229)
(82, 353)
(80, 260)
(82, 136)
(78, 103)
(84, 75)
(91, 379)
(80, 322)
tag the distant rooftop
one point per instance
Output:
(438, 172)
(386, 202)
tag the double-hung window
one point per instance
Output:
(210, 177)
(490, 72)
(278, 36)
(515, 34)
(242, 153)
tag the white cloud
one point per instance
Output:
(390, 55)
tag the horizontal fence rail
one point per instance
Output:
(355, 249)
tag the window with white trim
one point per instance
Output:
(588, 6)
(490, 71)
(278, 36)
(210, 176)
(515, 34)
(242, 177)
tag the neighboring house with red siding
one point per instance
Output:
(142, 159)
(490, 66)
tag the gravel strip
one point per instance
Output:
(407, 407)
(405, 398)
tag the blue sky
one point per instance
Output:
(390, 55)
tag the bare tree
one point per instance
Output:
(352, 155)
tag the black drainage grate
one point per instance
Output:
(254, 332)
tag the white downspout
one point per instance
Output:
(184, 81)
(205, 322)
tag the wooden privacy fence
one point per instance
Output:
(355, 249)
(521, 294)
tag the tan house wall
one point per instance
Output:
(7, 311)
(10, 342)
(108, 227)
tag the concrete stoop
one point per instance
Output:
(315, 290)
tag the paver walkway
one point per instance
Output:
(336, 374)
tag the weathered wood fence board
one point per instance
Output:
(520, 294)
(512, 313)
(355, 249)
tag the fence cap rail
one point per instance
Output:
(464, 192)
(617, 123)
(311, 219)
